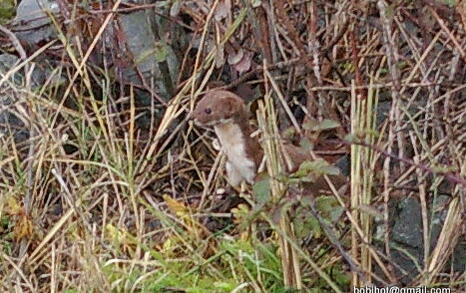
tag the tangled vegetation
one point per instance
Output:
(106, 185)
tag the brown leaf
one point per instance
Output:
(223, 10)
(176, 207)
(219, 57)
(235, 58)
(461, 9)
(245, 63)
(23, 228)
(241, 61)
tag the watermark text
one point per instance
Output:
(395, 289)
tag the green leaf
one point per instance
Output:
(161, 52)
(341, 277)
(390, 11)
(7, 10)
(162, 4)
(329, 208)
(336, 213)
(288, 132)
(451, 3)
(314, 226)
(328, 124)
(317, 167)
(175, 8)
(306, 144)
(350, 138)
(325, 203)
(321, 125)
(256, 3)
(224, 286)
(261, 190)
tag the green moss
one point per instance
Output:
(7, 10)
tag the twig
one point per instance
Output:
(15, 41)
(450, 176)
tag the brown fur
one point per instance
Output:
(221, 108)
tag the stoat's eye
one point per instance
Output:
(208, 110)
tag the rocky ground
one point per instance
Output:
(106, 185)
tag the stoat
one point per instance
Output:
(228, 115)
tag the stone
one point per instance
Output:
(32, 23)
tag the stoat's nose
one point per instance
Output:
(192, 116)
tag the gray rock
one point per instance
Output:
(438, 217)
(458, 262)
(10, 123)
(409, 260)
(143, 30)
(10, 102)
(383, 111)
(406, 239)
(458, 259)
(344, 164)
(155, 59)
(8, 61)
(41, 71)
(32, 24)
(408, 224)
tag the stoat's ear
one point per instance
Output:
(230, 106)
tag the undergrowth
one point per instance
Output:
(105, 193)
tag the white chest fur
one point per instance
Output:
(239, 166)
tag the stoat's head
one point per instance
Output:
(219, 107)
